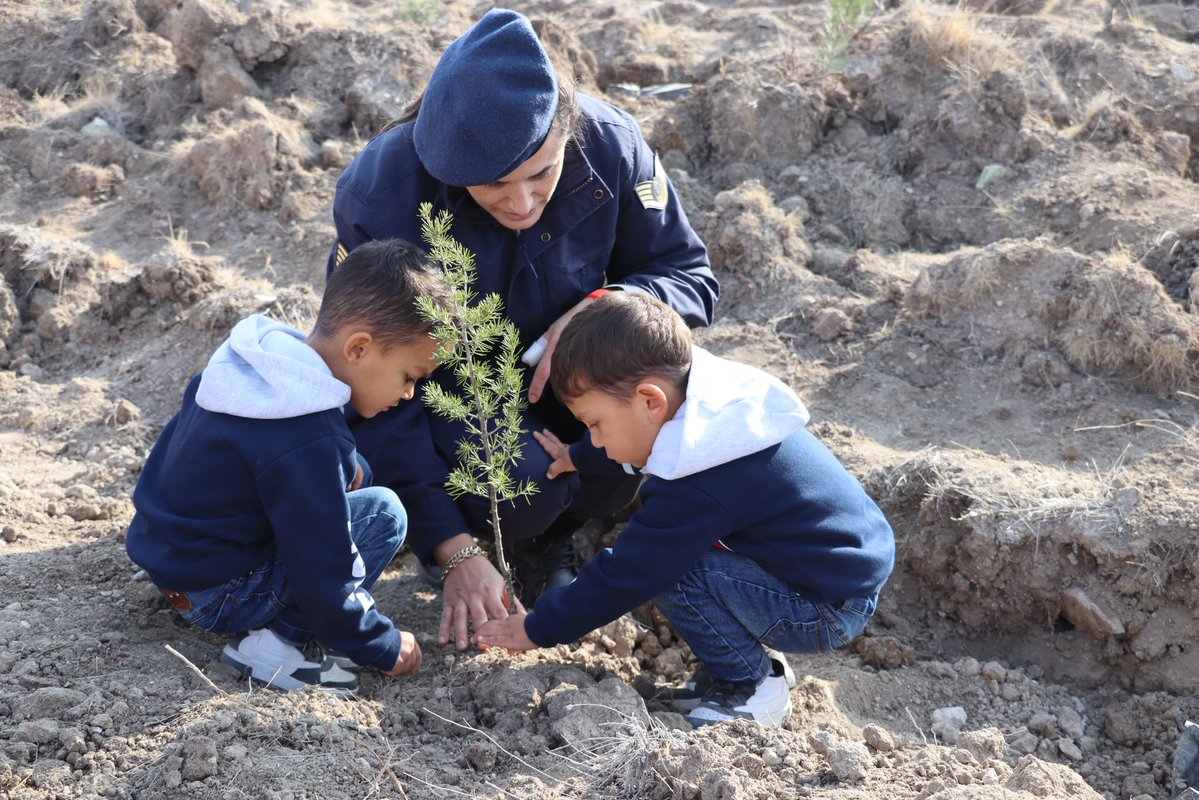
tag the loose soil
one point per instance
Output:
(970, 245)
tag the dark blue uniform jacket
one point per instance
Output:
(595, 231)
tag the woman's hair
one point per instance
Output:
(376, 287)
(619, 341)
(566, 115)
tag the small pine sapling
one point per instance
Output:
(842, 20)
(479, 344)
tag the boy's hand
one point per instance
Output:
(357, 482)
(558, 450)
(508, 633)
(408, 662)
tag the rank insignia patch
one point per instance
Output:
(653, 192)
(342, 252)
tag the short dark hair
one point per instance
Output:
(376, 286)
(619, 341)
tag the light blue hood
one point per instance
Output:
(264, 370)
(731, 410)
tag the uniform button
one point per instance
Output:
(598, 194)
(545, 237)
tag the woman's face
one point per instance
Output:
(517, 199)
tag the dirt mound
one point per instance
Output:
(970, 247)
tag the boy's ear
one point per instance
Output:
(653, 399)
(356, 346)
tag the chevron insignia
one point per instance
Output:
(653, 192)
(342, 252)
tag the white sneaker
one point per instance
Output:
(268, 659)
(767, 703)
(693, 692)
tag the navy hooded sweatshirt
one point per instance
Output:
(736, 466)
(254, 468)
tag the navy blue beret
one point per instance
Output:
(489, 103)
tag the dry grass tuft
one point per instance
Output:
(953, 40)
(1123, 322)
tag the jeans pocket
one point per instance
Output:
(209, 605)
(797, 637)
(250, 601)
(847, 620)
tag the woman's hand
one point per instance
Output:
(558, 450)
(474, 591)
(542, 373)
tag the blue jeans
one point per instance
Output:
(265, 599)
(727, 607)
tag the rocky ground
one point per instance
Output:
(969, 245)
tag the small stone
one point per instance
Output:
(831, 323)
(1025, 743)
(9, 534)
(49, 702)
(37, 731)
(820, 741)
(199, 759)
(993, 670)
(770, 757)
(1069, 749)
(968, 667)
(1072, 451)
(849, 761)
(1042, 723)
(1082, 612)
(877, 738)
(482, 756)
(984, 744)
(126, 412)
(1070, 721)
(948, 722)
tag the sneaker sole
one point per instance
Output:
(271, 675)
(776, 720)
(691, 703)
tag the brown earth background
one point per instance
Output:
(970, 246)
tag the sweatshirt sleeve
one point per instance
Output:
(353, 219)
(675, 525)
(656, 250)
(398, 445)
(302, 492)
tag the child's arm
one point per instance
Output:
(509, 633)
(409, 660)
(557, 450)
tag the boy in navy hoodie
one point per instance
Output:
(250, 516)
(751, 533)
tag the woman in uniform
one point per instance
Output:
(560, 199)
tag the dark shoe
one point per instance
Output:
(1186, 764)
(691, 693)
(430, 575)
(342, 660)
(546, 562)
(266, 658)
